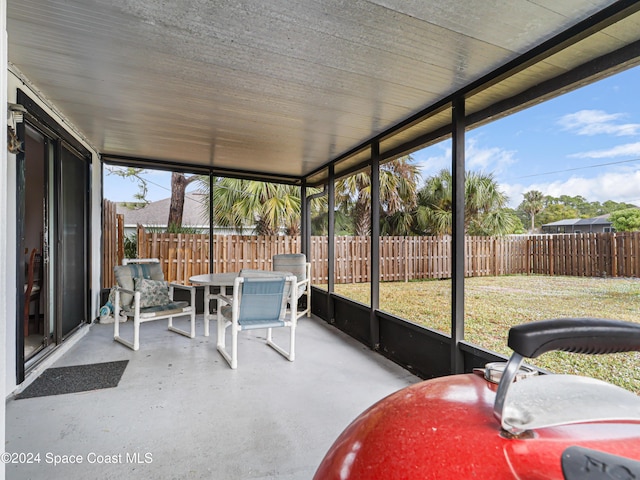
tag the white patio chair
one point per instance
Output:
(143, 294)
(296, 263)
(259, 302)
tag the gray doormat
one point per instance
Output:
(77, 378)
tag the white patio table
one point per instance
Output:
(210, 280)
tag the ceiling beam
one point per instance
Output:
(127, 161)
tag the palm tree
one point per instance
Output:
(485, 212)
(435, 200)
(398, 187)
(271, 207)
(268, 207)
(532, 205)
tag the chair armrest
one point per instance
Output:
(302, 283)
(121, 289)
(118, 290)
(224, 298)
(188, 288)
(135, 301)
(307, 280)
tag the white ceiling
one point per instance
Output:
(283, 86)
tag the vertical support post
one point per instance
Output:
(374, 322)
(211, 220)
(458, 235)
(331, 247)
(305, 221)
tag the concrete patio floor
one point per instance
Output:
(179, 411)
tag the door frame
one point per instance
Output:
(56, 136)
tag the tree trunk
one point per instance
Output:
(362, 218)
(178, 187)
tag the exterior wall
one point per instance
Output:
(10, 307)
(4, 295)
(15, 80)
(591, 228)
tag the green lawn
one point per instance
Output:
(494, 304)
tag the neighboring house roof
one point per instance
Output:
(561, 223)
(155, 214)
(599, 220)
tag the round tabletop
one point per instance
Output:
(214, 279)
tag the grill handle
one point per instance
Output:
(578, 335)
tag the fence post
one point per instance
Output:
(405, 257)
(109, 242)
(494, 264)
(120, 237)
(142, 241)
(614, 255)
(551, 257)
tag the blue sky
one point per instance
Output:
(118, 189)
(584, 143)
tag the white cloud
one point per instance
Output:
(492, 159)
(433, 159)
(478, 158)
(629, 149)
(595, 122)
(620, 186)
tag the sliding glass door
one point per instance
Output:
(72, 241)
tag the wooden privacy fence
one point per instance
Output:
(587, 254)
(184, 255)
(112, 241)
(401, 258)
(417, 258)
